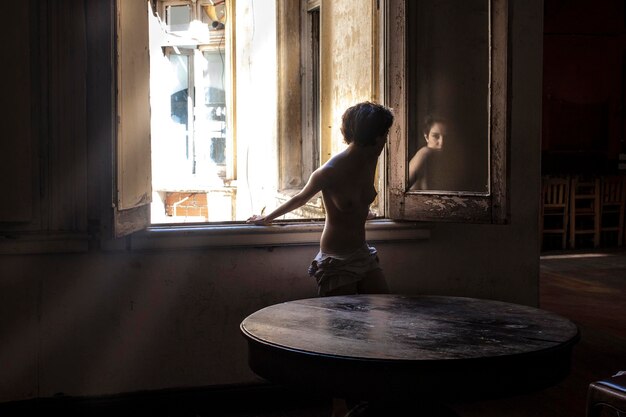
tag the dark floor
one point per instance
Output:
(590, 289)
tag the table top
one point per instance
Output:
(397, 337)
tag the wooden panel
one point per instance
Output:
(289, 94)
(16, 169)
(346, 66)
(134, 180)
(499, 112)
(101, 106)
(310, 61)
(396, 99)
(134, 177)
(66, 168)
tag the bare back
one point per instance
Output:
(348, 192)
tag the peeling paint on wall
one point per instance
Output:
(346, 65)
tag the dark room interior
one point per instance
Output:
(105, 313)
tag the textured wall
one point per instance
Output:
(346, 69)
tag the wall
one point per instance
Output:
(104, 322)
(583, 86)
(346, 72)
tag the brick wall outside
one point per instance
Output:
(186, 204)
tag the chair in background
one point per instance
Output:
(612, 204)
(554, 209)
(607, 394)
(584, 219)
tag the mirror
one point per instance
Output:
(448, 131)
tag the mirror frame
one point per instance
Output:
(453, 206)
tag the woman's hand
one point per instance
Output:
(259, 220)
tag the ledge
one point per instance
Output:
(280, 234)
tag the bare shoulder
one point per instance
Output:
(420, 155)
(424, 150)
(332, 166)
(323, 175)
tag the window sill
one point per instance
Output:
(281, 234)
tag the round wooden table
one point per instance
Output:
(422, 348)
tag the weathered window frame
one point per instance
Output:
(299, 110)
(132, 185)
(491, 207)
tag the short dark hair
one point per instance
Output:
(429, 122)
(364, 122)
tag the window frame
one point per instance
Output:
(311, 74)
(490, 207)
(306, 232)
(295, 132)
(132, 176)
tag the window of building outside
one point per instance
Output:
(205, 163)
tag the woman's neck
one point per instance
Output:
(365, 152)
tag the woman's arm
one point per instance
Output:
(416, 165)
(313, 186)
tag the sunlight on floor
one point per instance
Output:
(577, 255)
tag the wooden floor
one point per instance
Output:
(590, 289)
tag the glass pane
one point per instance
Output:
(179, 102)
(448, 146)
(210, 126)
(178, 17)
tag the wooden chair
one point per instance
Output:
(554, 208)
(584, 213)
(612, 203)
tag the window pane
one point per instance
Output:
(179, 102)
(448, 146)
(211, 112)
(192, 151)
(214, 103)
(178, 17)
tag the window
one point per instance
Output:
(190, 85)
(449, 66)
(251, 105)
(229, 137)
(311, 85)
(178, 17)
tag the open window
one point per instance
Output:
(192, 93)
(447, 80)
(281, 82)
(233, 127)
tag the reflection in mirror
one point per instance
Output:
(448, 106)
(422, 166)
